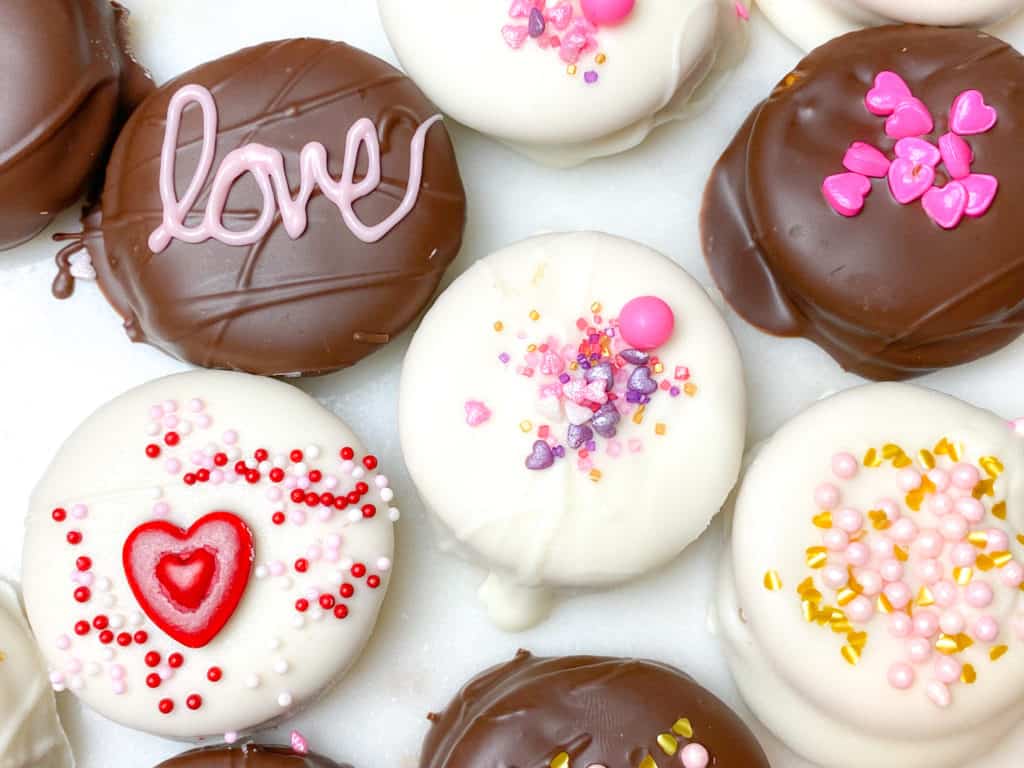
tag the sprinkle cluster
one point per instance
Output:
(114, 641)
(691, 754)
(927, 562)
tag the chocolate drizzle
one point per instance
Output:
(600, 711)
(279, 306)
(248, 756)
(887, 293)
(68, 84)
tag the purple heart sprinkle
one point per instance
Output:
(633, 397)
(541, 457)
(674, 391)
(635, 356)
(560, 451)
(601, 372)
(590, 77)
(537, 24)
(640, 381)
(605, 419)
(577, 435)
(564, 378)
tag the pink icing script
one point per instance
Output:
(267, 167)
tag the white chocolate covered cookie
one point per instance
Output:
(871, 603)
(810, 23)
(30, 734)
(566, 80)
(206, 554)
(572, 411)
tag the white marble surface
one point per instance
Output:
(61, 360)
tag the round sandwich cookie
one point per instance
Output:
(207, 554)
(564, 81)
(30, 733)
(810, 23)
(871, 601)
(285, 210)
(869, 203)
(252, 756)
(572, 411)
(67, 80)
(588, 712)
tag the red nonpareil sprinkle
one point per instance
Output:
(327, 602)
(203, 475)
(153, 450)
(124, 639)
(189, 478)
(153, 680)
(312, 499)
(353, 497)
(276, 475)
(172, 438)
(297, 496)
(152, 659)
(195, 701)
(373, 581)
(346, 590)
(101, 622)
(214, 674)
(82, 594)
(106, 637)
(347, 454)
(340, 502)
(302, 605)
(175, 660)
(315, 476)
(241, 468)
(295, 456)
(252, 476)
(59, 515)
(370, 462)
(327, 499)
(362, 488)
(166, 706)
(81, 628)
(141, 637)
(260, 454)
(220, 459)
(369, 511)
(359, 570)
(302, 565)
(340, 611)
(277, 518)
(74, 538)
(83, 563)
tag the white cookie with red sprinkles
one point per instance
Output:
(206, 554)
(573, 412)
(872, 600)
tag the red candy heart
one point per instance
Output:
(189, 583)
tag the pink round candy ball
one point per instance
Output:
(835, 577)
(646, 322)
(940, 504)
(929, 543)
(1012, 575)
(952, 622)
(972, 509)
(891, 570)
(910, 479)
(836, 539)
(900, 625)
(947, 669)
(963, 554)
(930, 571)
(860, 609)
(607, 12)
(899, 594)
(985, 629)
(954, 527)
(978, 594)
(849, 520)
(940, 478)
(858, 554)
(695, 756)
(945, 593)
(926, 623)
(901, 676)
(903, 530)
(844, 466)
(997, 540)
(871, 582)
(965, 476)
(890, 508)
(919, 650)
(826, 496)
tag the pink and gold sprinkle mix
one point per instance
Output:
(692, 754)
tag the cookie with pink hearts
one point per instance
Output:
(872, 598)
(207, 554)
(564, 81)
(868, 203)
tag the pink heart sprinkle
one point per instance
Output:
(956, 154)
(971, 115)
(946, 205)
(476, 413)
(908, 180)
(981, 192)
(514, 35)
(560, 15)
(890, 89)
(866, 159)
(918, 151)
(910, 118)
(299, 744)
(845, 192)
(520, 9)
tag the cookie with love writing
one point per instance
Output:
(870, 203)
(206, 554)
(285, 210)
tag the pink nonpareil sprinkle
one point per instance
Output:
(300, 745)
(741, 11)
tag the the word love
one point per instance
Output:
(266, 165)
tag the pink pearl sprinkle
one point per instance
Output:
(929, 543)
(79, 511)
(324, 514)
(978, 594)
(63, 642)
(891, 570)
(910, 479)
(938, 693)
(883, 549)
(849, 520)
(985, 629)
(870, 582)
(204, 421)
(930, 571)
(860, 609)
(170, 406)
(952, 622)
(156, 412)
(695, 756)
(940, 504)
(997, 540)
(277, 568)
(954, 527)
(945, 593)
(173, 466)
(118, 687)
(835, 577)
(844, 466)
(963, 554)
(947, 669)
(273, 493)
(898, 593)
(1012, 575)
(858, 554)
(900, 625)
(926, 623)
(965, 476)
(117, 672)
(903, 530)
(826, 496)
(230, 437)
(940, 478)
(170, 421)
(196, 405)
(919, 650)
(972, 509)
(161, 509)
(836, 539)
(298, 517)
(901, 676)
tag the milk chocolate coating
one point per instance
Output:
(66, 83)
(248, 756)
(600, 711)
(280, 307)
(887, 293)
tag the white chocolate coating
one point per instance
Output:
(273, 658)
(30, 734)
(558, 526)
(810, 23)
(661, 62)
(790, 671)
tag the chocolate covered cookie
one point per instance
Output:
(66, 82)
(870, 204)
(587, 711)
(249, 756)
(285, 210)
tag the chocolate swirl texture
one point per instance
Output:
(280, 305)
(595, 710)
(888, 293)
(67, 82)
(248, 756)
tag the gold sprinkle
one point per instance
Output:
(561, 760)
(595, 308)
(571, 70)
(822, 520)
(993, 467)
(1001, 559)
(884, 604)
(968, 675)
(660, 428)
(915, 499)
(668, 743)
(499, 326)
(984, 563)
(526, 425)
(790, 80)
(648, 762)
(926, 458)
(997, 652)
(858, 640)
(978, 539)
(846, 596)
(817, 557)
(600, 59)
(842, 627)
(531, 348)
(901, 553)
(871, 458)
(999, 510)
(683, 727)
(963, 642)
(574, 365)
(805, 586)
(810, 610)
(890, 451)
(879, 520)
(851, 654)
(987, 487)
(638, 415)
(690, 389)
(534, 315)
(658, 367)
(925, 597)
(1020, 539)
(772, 581)
(947, 645)
(963, 576)
(595, 475)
